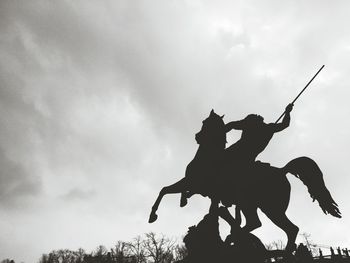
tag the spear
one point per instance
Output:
(301, 91)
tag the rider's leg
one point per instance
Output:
(214, 205)
(178, 187)
(251, 216)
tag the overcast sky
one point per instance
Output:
(100, 102)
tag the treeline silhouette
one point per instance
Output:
(153, 248)
(143, 249)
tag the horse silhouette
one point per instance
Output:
(261, 185)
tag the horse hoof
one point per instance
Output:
(183, 202)
(153, 217)
(229, 239)
(291, 248)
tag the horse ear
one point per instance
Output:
(212, 112)
(222, 116)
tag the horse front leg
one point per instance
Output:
(178, 187)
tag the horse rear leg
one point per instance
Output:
(283, 222)
(176, 188)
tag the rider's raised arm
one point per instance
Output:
(285, 122)
(237, 125)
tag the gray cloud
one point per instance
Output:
(78, 194)
(105, 98)
(16, 184)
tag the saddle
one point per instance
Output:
(241, 178)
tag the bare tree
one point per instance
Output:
(180, 252)
(159, 250)
(53, 257)
(99, 253)
(79, 254)
(137, 250)
(120, 252)
(66, 256)
(275, 245)
(44, 258)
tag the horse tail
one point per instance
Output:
(311, 175)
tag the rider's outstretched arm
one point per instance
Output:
(285, 122)
(237, 125)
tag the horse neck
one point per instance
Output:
(205, 151)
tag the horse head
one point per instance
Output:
(213, 131)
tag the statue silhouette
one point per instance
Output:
(225, 176)
(203, 241)
(255, 137)
(204, 244)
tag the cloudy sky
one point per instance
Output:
(100, 102)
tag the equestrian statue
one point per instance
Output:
(233, 176)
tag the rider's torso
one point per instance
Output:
(254, 141)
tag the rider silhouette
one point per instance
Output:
(256, 135)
